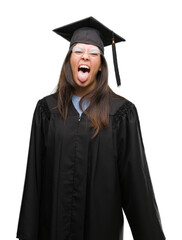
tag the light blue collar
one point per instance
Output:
(76, 100)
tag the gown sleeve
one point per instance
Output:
(138, 200)
(29, 212)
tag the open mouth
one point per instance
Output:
(83, 72)
(84, 68)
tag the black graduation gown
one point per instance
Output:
(76, 188)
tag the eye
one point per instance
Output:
(77, 50)
(94, 52)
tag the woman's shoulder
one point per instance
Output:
(49, 101)
(119, 104)
(121, 109)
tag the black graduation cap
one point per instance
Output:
(91, 31)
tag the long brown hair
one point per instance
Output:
(98, 110)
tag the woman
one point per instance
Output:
(86, 161)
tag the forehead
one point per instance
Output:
(86, 46)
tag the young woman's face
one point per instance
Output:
(85, 63)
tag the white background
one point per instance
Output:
(31, 56)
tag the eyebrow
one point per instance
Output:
(91, 49)
(78, 47)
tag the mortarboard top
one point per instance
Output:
(91, 31)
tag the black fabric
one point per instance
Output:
(106, 34)
(88, 36)
(115, 62)
(77, 188)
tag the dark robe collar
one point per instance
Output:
(115, 102)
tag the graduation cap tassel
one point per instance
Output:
(115, 61)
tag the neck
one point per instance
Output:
(78, 94)
(81, 91)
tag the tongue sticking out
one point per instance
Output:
(82, 76)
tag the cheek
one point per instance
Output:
(73, 63)
(97, 66)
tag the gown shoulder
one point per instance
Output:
(48, 103)
(120, 106)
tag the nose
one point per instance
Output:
(85, 55)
